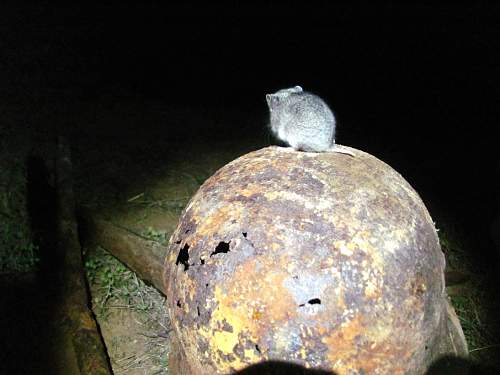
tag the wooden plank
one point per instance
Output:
(78, 318)
(137, 253)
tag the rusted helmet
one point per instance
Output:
(324, 260)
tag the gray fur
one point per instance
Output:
(301, 119)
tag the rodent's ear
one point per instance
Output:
(298, 89)
(269, 99)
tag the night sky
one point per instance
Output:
(415, 84)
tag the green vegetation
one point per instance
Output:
(472, 302)
(18, 253)
(156, 235)
(117, 285)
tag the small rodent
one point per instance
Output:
(303, 120)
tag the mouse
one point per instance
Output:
(303, 120)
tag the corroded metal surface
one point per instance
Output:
(326, 260)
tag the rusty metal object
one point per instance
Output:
(325, 260)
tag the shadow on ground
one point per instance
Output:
(32, 336)
(447, 365)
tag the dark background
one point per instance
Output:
(414, 83)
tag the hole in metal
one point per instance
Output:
(222, 247)
(183, 257)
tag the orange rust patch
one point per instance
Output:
(251, 295)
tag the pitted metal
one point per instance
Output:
(321, 259)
